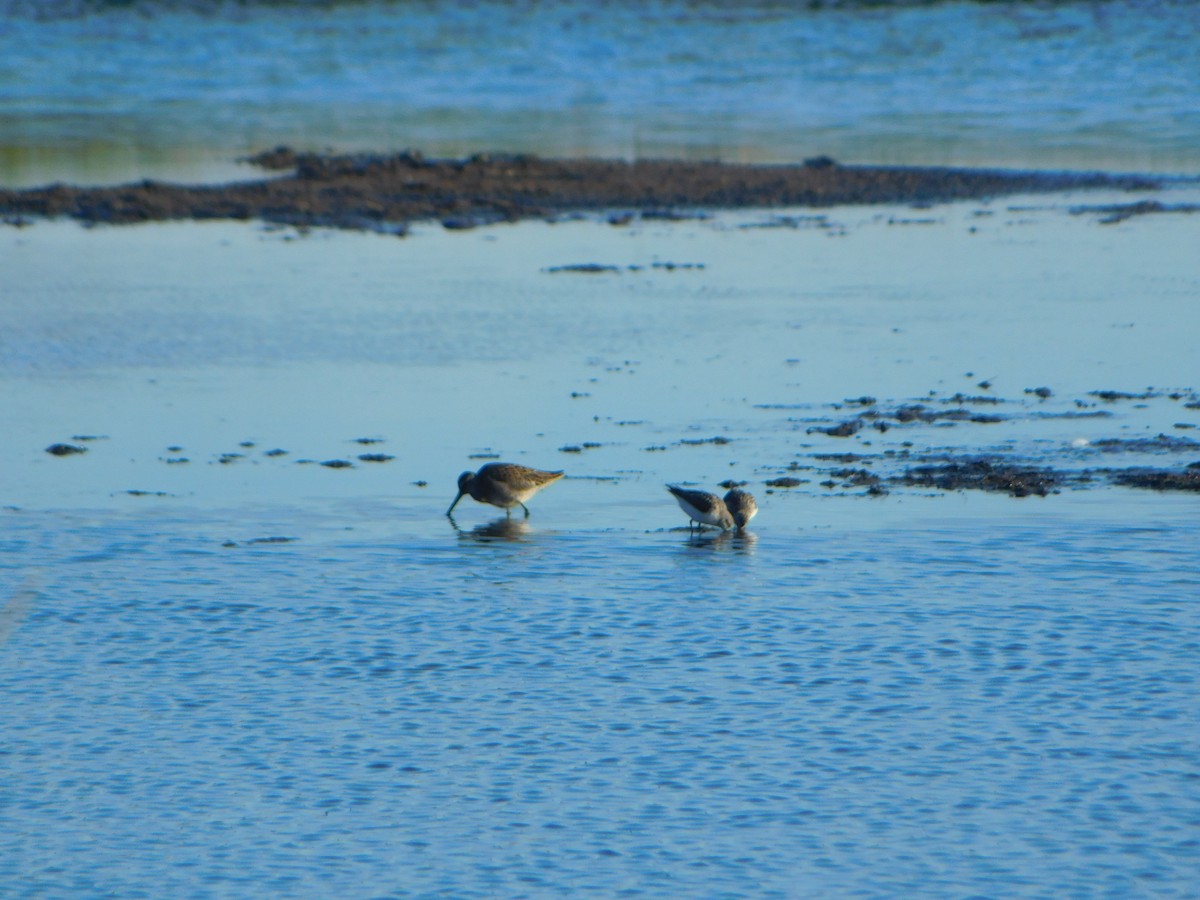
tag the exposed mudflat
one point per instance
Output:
(1050, 469)
(385, 192)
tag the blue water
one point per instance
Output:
(940, 710)
(94, 91)
(250, 675)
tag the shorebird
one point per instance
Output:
(702, 507)
(741, 506)
(503, 484)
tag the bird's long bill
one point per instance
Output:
(455, 503)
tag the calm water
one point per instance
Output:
(266, 677)
(230, 672)
(948, 708)
(93, 91)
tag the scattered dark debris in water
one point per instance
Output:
(1160, 479)
(883, 419)
(65, 449)
(277, 451)
(985, 475)
(844, 458)
(264, 540)
(174, 448)
(718, 439)
(421, 482)
(608, 269)
(1083, 413)
(579, 395)
(793, 222)
(1160, 443)
(570, 448)
(1114, 396)
(671, 214)
(227, 458)
(487, 454)
(134, 492)
(860, 401)
(373, 457)
(961, 398)
(1118, 212)
(852, 478)
(338, 464)
(654, 448)
(626, 217)
(729, 484)
(88, 438)
(843, 429)
(175, 460)
(1042, 393)
(785, 481)
(247, 444)
(583, 269)
(912, 412)
(369, 440)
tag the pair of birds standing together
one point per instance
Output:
(507, 485)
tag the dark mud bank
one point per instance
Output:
(385, 193)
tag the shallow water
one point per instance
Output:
(938, 708)
(257, 675)
(107, 92)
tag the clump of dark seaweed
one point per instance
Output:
(985, 475)
(1160, 479)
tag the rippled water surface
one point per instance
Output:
(231, 672)
(96, 91)
(245, 653)
(948, 707)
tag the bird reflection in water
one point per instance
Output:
(502, 529)
(722, 541)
